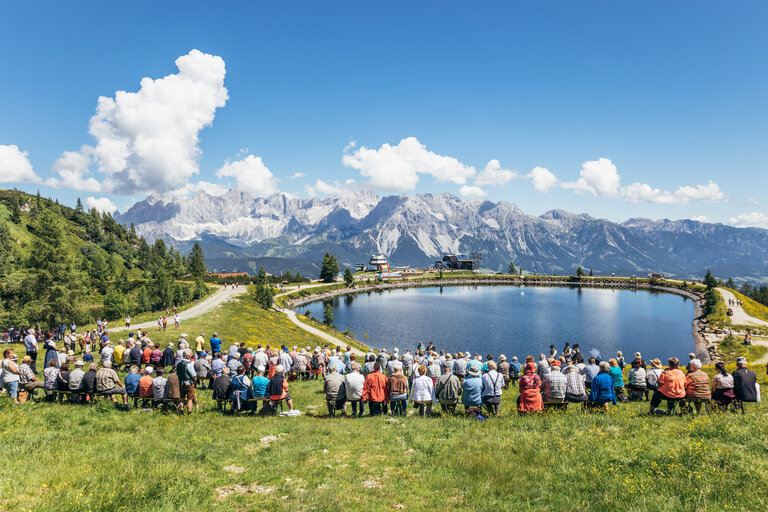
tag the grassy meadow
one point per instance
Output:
(101, 458)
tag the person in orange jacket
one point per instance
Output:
(375, 390)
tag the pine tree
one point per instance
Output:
(15, 213)
(328, 316)
(56, 283)
(196, 262)
(329, 269)
(591, 273)
(512, 267)
(349, 279)
(580, 272)
(79, 206)
(709, 280)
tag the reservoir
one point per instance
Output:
(518, 320)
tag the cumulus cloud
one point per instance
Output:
(600, 177)
(700, 218)
(251, 175)
(472, 192)
(102, 204)
(147, 141)
(543, 179)
(750, 220)
(297, 175)
(15, 166)
(73, 168)
(322, 187)
(709, 193)
(494, 175)
(398, 168)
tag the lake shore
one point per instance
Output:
(701, 346)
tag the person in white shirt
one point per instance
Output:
(354, 382)
(423, 391)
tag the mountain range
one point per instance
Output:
(240, 232)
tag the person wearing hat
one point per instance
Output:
(514, 371)
(448, 389)
(652, 377)
(744, 382)
(11, 374)
(504, 368)
(554, 385)
(530, 390)
(472, 388)
(260, 382)
(671, 385)
(574, 385)
(27, 380)
(76, 376)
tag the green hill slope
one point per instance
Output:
(61, 265)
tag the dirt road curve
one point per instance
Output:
(217, 298)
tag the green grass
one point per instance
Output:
(103, 459)
(733, 348)
(100, 458)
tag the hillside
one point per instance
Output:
(61, 265)
(238, 231)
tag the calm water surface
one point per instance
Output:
(519, 320)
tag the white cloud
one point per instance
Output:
(753, 219)
(73, 168)
(599, 177)
(15, 166)
(494, 175)
(325, 188)
(251, 174)
(472, 192)
(212, 189)
(397, 168)
(709, 193)
(700, 218)
(543, 179)
(147, 141)
(102, 204)
(297, 175)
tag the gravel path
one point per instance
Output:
(220, 296)
(739, 316)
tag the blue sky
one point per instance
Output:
(656, 109)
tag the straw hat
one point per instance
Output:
(656, 363)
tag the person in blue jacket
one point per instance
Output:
(472, 388)
(602, 387)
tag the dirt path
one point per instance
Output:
(317, 332)
(739, 316)
(220, 296)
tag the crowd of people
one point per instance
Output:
(384, 383)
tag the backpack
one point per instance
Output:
(315, 362)
(181, 371)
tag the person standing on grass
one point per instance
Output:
(200, 344)
(215, 343)
(353, 385)
(375, 390)
(186, 373)
(671, 384)
(448, 389)
(11, 374)
(177, 321)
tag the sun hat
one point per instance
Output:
(656, 363)
(474, 370)
(184, 335)
(149, 369)
(260, 368)
(502, 357)
(79, 362)
(741, 360)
